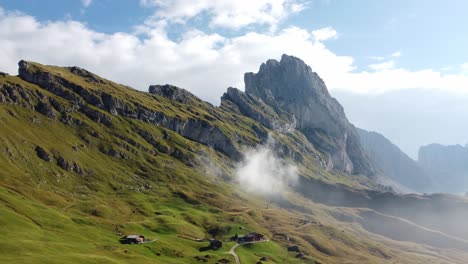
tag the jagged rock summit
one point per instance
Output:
(292, 91)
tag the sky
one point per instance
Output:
(398, 67)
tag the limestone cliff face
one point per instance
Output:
(100, 105)
(294, 91)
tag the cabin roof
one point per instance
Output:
(133, 236)
(253, 234)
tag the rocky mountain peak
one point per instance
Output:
(290, 78)
(290, 85)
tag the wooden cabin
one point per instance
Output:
(133, 239)
(215, 244)
(251, 237)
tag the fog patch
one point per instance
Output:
(264, 173)
(211, 168)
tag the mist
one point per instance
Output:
(410, 118)
(263, 172)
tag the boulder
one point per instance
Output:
(42, 153)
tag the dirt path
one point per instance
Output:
(232, 251)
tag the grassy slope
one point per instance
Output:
(53, 213)
(50, 215)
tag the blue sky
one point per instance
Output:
(102, 15)
(428, 33)
(366, 51)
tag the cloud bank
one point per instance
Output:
(206, 64)
(226, 13)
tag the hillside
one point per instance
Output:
(85, 160)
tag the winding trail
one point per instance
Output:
(232, 251)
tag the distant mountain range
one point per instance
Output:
(438, 168)
(447, 165)
(394, 163)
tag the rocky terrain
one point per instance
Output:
(85, 160)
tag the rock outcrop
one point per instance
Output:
(42, 153)
(296, 93)
(172, 92)
(249, 105)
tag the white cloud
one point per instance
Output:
(464, 68)
(204, 63)
(297, 7)
(382, 66)
(396, 54)
(446, 68)
(226, 13)
(323, 34)
(86, 3)
(389, 64)
(400, 79)
(262, 172)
